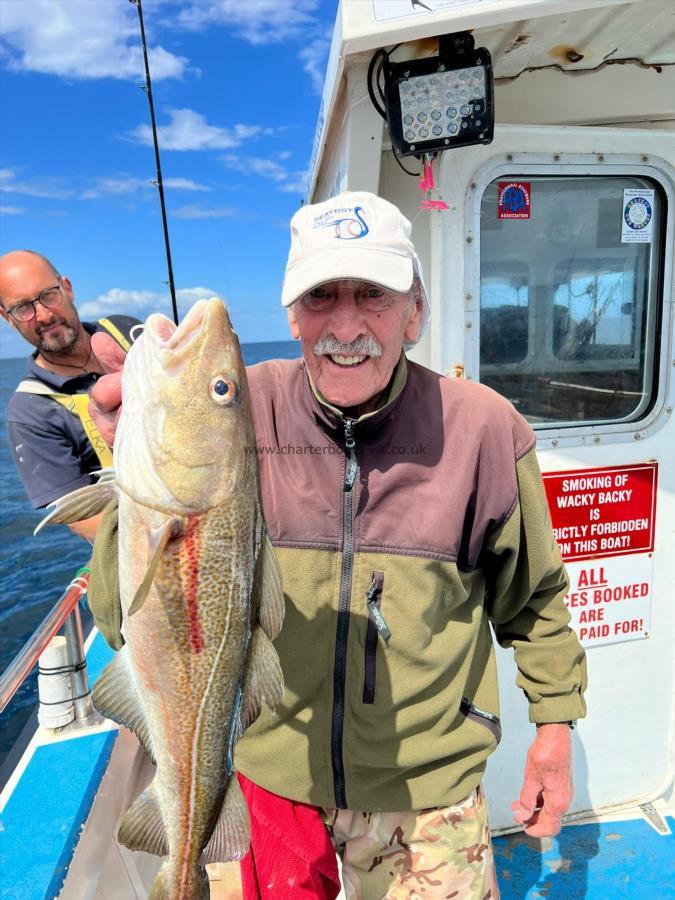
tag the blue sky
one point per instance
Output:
(236, 85)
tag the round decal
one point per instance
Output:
(637, 213)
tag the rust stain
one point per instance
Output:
(422, 47)
(520, 41)
(566, 53)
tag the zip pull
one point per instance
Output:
(352, 462)
(372, 596)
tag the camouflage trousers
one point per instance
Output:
(433, 854)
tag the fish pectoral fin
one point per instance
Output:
(116, 697)
(263, 679)
(142, 826)
(158, 541)
(271, 600)
(231, 835)
(81, 504)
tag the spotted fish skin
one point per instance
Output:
(200, 591)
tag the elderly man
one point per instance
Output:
(412, 519)
(55, 444)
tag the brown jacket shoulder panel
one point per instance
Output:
(436, 474)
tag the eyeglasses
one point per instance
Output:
(50, 298)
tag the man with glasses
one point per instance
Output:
(55, 444)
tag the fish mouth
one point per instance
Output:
(178, 341)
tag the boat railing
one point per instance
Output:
(64, 614)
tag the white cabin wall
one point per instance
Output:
(354, 141)
(614, 95)
(334, 163)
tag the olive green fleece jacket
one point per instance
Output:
(399, 555)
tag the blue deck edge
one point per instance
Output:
(43, 818)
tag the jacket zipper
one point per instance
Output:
(339, 671)
(376, 625)
(483, 717)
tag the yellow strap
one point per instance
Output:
(78, 405)
(114, 331)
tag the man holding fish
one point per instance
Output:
(409, 517)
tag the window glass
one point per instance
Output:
(568, 308)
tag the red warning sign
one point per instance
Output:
(603, 512)
(513, 200)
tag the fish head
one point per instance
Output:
(185, 440)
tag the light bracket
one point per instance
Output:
(443, 101)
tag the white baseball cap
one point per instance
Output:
(354, 235)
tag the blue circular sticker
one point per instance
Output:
(638, 213)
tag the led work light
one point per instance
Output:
(441, 102)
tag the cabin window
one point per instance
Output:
(568, 310)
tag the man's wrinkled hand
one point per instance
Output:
(105, 400)
(547, 787)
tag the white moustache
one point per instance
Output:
(364, 345)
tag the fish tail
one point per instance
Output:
(195, 885)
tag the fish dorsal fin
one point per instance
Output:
(158, 541)
(271, 595)
(115, 696)
(81, 504)
(263, 680)
(231, 834)
(142, 826)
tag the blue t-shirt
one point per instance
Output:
(51, 450)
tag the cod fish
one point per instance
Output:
(200, 590)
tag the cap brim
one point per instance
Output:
(390, 270)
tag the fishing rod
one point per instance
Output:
(160, 186)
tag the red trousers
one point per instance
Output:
(291, 854)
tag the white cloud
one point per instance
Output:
(75, 40)
(297, 183)
(313, 56)
(260, 22)
(189, 130)
(120, 185)
(129, 185)
(271, 169)
(184, 184)
(12, 210)
(194, 211)
(47, 188)
(256, 165)
(141, 303)
(54, 188)
(255, 21)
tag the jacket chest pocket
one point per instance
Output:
(377, 627)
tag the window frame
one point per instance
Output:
(527, 165)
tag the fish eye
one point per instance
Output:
(223, 390)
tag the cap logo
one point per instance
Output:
(347, 228)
